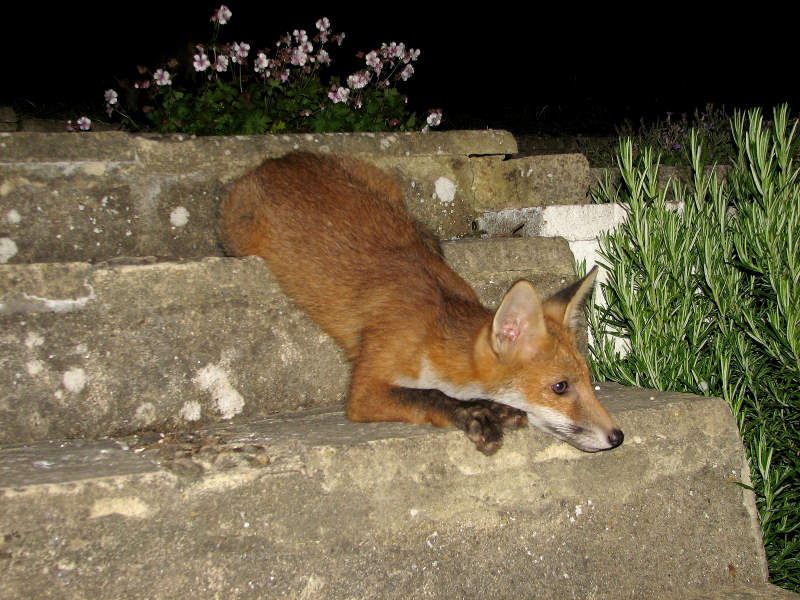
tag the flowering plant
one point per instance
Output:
(670, 137)
(234, 89)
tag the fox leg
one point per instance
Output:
(482, 420)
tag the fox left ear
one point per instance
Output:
(563, 306)
(518, 323)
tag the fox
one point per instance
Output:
(335, 233)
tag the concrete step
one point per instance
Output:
(99, 196)
(309, 505)
(579, 224)
(95, 349)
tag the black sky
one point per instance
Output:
(488, 66)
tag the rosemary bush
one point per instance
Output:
(702, 297)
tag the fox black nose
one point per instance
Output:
(615, 438)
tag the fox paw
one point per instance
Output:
(484, 421)
(511, 418)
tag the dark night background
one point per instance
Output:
(535, 69)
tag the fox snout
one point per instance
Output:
(588, 439)
(593, 441)
(588, 428)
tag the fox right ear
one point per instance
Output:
(518, 322)
(565, 305)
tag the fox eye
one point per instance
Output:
(560, 387)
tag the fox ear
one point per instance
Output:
(518, 322)
(564, 305)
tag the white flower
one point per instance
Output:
(111, 97)
(339, 95)
(84, 123)
(162, 77)
(299, 56)
(301, 37)
(221, 64)
(434, 117)
(201, 62)
(261, 62)
(241, 49)
(393, 50)
(222, 15)
(406, 73)
(357, 81)
(373, 60)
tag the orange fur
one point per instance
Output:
(337, 237)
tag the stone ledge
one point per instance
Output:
(95, 349)
(306, 503)
(74, 197)
(191, 151)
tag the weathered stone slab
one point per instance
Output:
(531, 181)
(22, 147)
(68, 211)
(493, 265)
(189, 153)
(310, 505)
(90, 350)
(72, 197)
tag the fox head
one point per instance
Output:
(540, 370)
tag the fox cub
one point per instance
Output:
(336, 235)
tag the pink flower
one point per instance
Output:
(261, 63)
(393, 50)
(238, 52)
(299, 56)
(356, 81)
(221, 64)
(285, 76)
(201, 62)
(111, 97)
(434, 117)
(84, 123)
(162, 77)
(339, 94)
(241, 49)
(300, 36)
(406, 73)
(373, 60)
(323, 24)
(323, 58)
(222, 15)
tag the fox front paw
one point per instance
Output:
(484, 421)
(511, 418)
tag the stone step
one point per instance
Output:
(100, 196)
(579, 224)
(96, 197)
(93, 349)
(309, 505)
